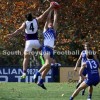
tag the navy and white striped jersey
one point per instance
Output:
(83, 55)
(49, 37)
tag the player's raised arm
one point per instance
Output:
(41, 17)
(78, 62)
(48, 21)
(55, 24)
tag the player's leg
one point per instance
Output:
(44, 73)
(46, 55)
(47, 68)
(90, 91)
(79, 82)
(84, 73)
(83, 91)
(44, 70)
(83, 85)
(41, 81)
(28, 48)
(25, 64)
(80, 79)
(27, 51)
(46, 65)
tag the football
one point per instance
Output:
(57, 6)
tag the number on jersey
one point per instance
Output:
(31, 27)
(93, 65)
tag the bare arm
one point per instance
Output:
(17, 31)
(41, 17)
(55, 24)
(48, 20)
(81, 71)
(78, 62)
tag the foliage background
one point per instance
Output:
(78, 22)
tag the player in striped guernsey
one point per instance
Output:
(31, 34)
(49, 33)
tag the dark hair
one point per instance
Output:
(29, 17)
(90, 54)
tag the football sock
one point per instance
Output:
(41, 81)
(83, 91)
(71, 98)
(38, 73)
(90, 96)
(24, 71)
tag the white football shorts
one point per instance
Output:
(31, 44)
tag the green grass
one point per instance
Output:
(30, 91)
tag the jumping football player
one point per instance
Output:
(49, 33)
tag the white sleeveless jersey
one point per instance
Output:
(31, 27)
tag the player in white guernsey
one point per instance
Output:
(83, 59)
(49, 33)
(31, 27)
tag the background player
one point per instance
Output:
(92, 78)
(83, 59)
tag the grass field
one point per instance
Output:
(30, 91)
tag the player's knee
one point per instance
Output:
(48, 65)
(80, 88)
(26, 55)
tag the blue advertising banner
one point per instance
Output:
(14, 75)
